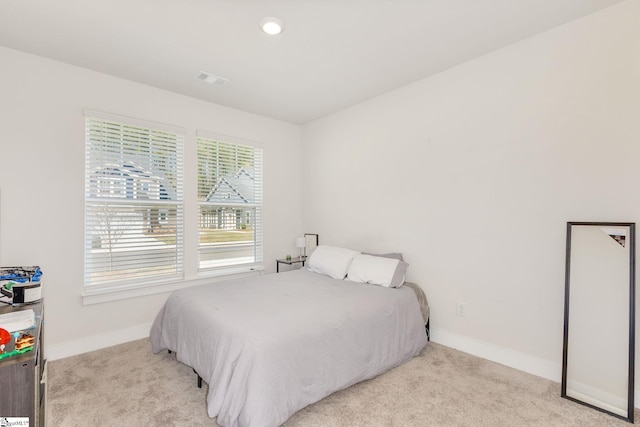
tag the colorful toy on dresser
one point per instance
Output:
(20, 285)
(16, 332)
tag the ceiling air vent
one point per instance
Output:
(212, 78)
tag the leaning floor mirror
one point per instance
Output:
(599, 317)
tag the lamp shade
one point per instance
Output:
(300, 242)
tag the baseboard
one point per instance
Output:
(96, 342)
(504, 356)
(523, 362)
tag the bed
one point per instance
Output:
(271, 345)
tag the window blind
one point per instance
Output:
(133, 201)
(230, 203)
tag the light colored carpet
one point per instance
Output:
(128, 385)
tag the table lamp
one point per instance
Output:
(301, 243)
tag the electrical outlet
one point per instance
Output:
(461, 309)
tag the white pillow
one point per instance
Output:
(377, 271)
(331, 260)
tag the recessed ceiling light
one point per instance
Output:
(212, 78)
(271, 26)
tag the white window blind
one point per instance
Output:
(133, 202)
(230, 203)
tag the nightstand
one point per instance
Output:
(293, 260)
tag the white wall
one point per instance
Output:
(473, 174)
(42, 185)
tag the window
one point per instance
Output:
(133, 201)
(230, 203)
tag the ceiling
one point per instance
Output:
(332, 53)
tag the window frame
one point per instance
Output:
(96, 197)
(191, 274)
(257, 204)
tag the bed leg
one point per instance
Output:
(199, 378)
(426, 327)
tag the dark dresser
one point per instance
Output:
(23, 385)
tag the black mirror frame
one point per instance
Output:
(632, 334)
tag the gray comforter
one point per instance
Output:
(271, 345)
